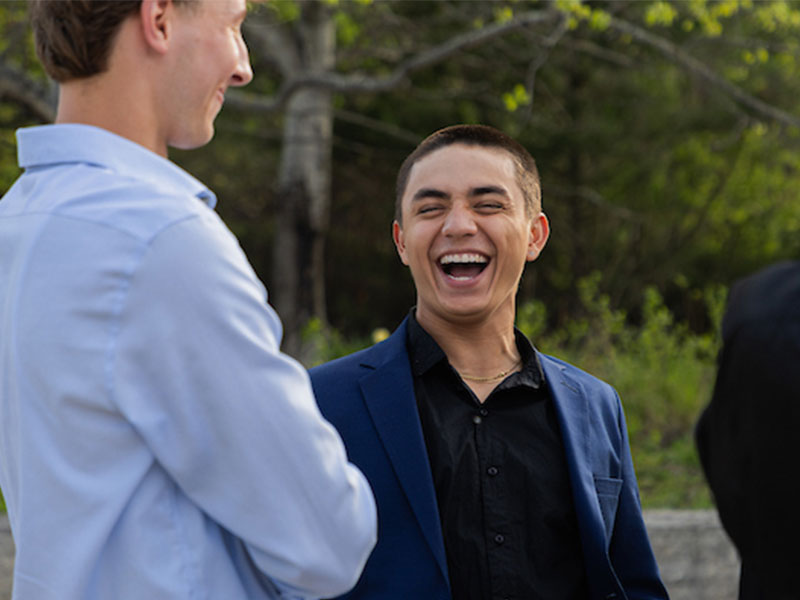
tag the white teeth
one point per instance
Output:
(462, 258)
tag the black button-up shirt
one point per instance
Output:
(501, 480)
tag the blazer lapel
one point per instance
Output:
(389, 396)
(572, 408)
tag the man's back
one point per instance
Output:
(154, 441)
(746, 436)
(134, 337)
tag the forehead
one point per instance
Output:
(223, 8)
(461, 167)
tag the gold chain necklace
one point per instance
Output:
(491, 377)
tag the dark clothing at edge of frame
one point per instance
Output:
(747, 436)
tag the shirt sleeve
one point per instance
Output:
(198, 372)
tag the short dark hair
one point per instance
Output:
(475, 135)
(74, 37)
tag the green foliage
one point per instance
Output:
(516, 98)
(663, 372)
(347, 29)
(322, 344)
(8, 155)
(660, 13)
(285, 11)
(503, 14)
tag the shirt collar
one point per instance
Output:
(424, 353)
(423, 350)
(48, 145)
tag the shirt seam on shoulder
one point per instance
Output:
(121, 302)
(146, 240)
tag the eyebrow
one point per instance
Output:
(429, 193)
(482, 190)
(488, 189)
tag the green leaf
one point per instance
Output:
(660, 14)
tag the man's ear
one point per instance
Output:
(156, 17)
(399, 242)
(540, 231)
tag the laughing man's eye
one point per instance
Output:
(428, 208)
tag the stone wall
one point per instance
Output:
(696, 559)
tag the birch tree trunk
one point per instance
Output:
(304, 182)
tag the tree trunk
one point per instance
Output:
(304, 183)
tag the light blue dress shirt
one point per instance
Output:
(154, 442)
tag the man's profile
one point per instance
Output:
(499, 472)
(154, 442)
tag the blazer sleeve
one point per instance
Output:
(630, 552)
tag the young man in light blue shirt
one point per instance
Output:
(154, 442)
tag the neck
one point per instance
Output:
(98, 101)
(480, 347)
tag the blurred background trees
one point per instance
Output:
(666, 134)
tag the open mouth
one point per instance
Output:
(463, 267)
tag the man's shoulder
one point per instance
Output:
(336, 385)
(770, 295)
(337, 374)
(560, 372)
(93, 176)
(553, 364)
(341, 367)
(101, 198)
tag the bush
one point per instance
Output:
(663, 372)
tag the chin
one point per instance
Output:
(194, 141)
(462, 313)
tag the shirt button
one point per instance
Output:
(492, 471)
(477, 420)
(484, 412)
(499, 538)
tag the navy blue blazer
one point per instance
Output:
(369, 397)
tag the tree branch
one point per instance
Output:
(336, 82)
(675, 54)
(547, 44)
(275, 44)
(600, 53)
(382, 127)
(592, 196)
(16, 86)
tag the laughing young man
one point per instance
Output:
(499, 472)
(154, 442)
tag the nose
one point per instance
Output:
(459, 221)
(243, 74)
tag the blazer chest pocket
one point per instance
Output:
(608, 489)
